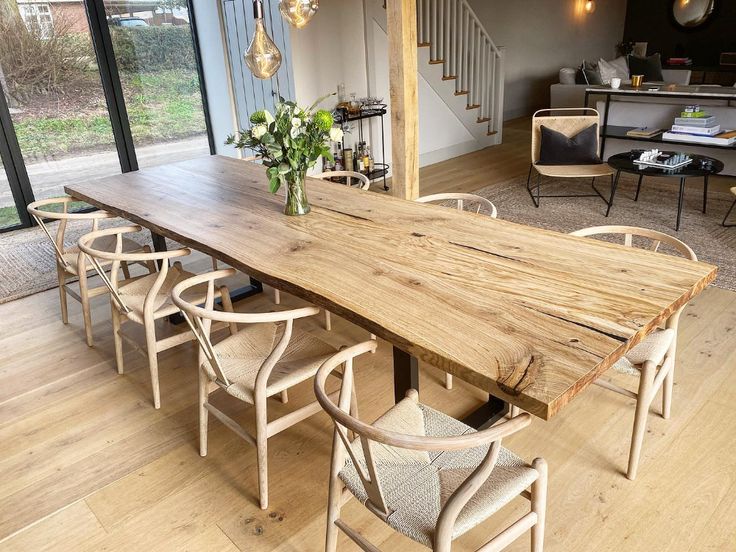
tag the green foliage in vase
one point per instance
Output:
(290, 141)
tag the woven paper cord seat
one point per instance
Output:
(417, 484)
(242, 355)
(653, 347)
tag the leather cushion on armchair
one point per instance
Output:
(557, 149)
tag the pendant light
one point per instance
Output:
(590, 6)
(262, 57)
(298, 12)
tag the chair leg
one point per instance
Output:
(667, 388)
(276, 296)
(643, 401)
(126, 270)
(285, 396)
(150, 325)
(448, 381)
(262, 450)
(514, 412)
(116, 324)
(86, 313)
(204, 391)
(333, 512)
(373, 337)
(328, 321)
(539, 504)
(62, 295)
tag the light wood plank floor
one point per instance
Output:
(88, 464)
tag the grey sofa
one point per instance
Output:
(573, 95)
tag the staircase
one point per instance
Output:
(462, 64)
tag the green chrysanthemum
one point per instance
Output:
(259, 117)
(324, 121)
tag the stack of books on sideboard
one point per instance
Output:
(696, 126)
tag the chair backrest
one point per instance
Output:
(569, 125)
(63, 216)
(200, 319)
(463, 202)
(372, 441)
(652, 238)
(87, 247)
(354, 179)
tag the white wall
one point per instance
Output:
(541, 36)
(330, 50)
(337, 47)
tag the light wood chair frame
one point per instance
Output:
(652, 377)
(461, 200)
(64, 270)
(364, 183)
(344, 412)
(121, 312)
(200, 320)
(730, 224)
(574, 125)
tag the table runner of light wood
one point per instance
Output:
(529, 315)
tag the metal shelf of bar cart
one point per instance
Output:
(369, 112)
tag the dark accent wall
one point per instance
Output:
(650, 21)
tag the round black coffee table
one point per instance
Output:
(701, 167)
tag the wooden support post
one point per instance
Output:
(402, 48)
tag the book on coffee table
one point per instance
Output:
(727, 138)
(643, 132)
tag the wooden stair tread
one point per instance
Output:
(436, 61)
(449, 77)
(483, 119)
(491, 133)
(423, 44)
(472, 106)
(461, 92)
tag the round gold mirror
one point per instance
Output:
(690, 14)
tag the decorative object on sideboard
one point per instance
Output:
(298, 12)
(728, 59)
(262, 57)
(637, 80)
(691, 14)
(289, 143)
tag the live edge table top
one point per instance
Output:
(529, 315)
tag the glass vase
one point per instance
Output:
(296, 193)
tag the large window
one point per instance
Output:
(154, 51)
(93, 88)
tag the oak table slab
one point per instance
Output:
(529, 315)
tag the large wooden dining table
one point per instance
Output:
(531, 316)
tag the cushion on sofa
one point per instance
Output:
(618, 67)
(588, 74)
(557, 149)
(650, 67)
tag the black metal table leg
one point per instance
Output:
(604, 130)
(638, 187)
(614, 185)
(488, 414)
(406, 376)
(679, 204)
(406, 373)
(705, 193)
